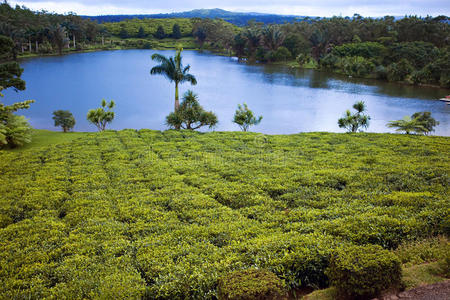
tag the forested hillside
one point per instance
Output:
(236, 18)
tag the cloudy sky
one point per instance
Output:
(324, 8)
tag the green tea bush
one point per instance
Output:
(250, 284)
(364, 271)
(165, 215)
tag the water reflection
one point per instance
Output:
(291, 100)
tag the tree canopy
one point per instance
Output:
(191, 115)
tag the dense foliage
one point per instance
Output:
(236, 18)
(251, 284)
(364, 271)
(64, 119)
(410, 49)
(191, 115)
(42, 32)
(14, 130)
(166, 214)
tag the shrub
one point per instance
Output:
(244, 117)
(445, 264)
(191, 115)
(250, 284)
(364, 271)
(355, 66)
(15, 132)
(399, 71)
(282, 54)
(419, 123)
(352, 122)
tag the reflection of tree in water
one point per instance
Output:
(322, 79)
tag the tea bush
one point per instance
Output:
(364, 271)
(250, 284)
(166, 214)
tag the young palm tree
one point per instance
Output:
(173, 69)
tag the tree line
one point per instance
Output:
(411, 49)
(43, 32)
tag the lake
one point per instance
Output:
(290, 100)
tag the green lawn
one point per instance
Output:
(165, 214)
(42, 138)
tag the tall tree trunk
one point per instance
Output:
(103, 40)
(29, 45)
(177, 100)
(37, 47)
(74, 43)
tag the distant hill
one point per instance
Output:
(237, 18)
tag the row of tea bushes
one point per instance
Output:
(166, 214)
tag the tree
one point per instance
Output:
(272, 37)
(10, 71)
(160, 34)
(244, 117)
(14, 130)
(176, 32)
(172, 68)
(419, 123)
(353, 122)
(141, 33)
(123, 34)
(191, 115)
(59, 37)
(101, 116)
(399, 71)
(426, 120)
(64, 118)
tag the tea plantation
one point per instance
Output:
(149, 214)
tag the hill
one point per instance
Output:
(236, 18)
(152, 214)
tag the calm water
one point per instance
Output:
(290, 100)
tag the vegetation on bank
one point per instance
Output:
(167, 214)
(412, 49)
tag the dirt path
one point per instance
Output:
(437, 291)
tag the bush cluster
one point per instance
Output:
(364, 271)
(166, 214)
(252, 284)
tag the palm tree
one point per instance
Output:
(172, 68)
(408, 125)
(272, 37)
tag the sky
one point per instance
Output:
(321, 8)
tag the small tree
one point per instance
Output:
(244, 117)
(191, 115)
(160, 34)
(141, 33)
(123, 34)
(419, 123)
(101, 116)
(64, 118)
(176, 32)
(353, 122)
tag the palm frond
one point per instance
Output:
(160, 58)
